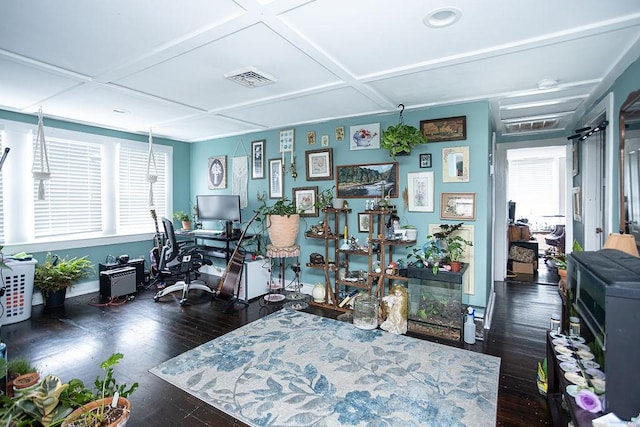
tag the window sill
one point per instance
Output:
(62, 243)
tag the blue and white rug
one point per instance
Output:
(296, 369)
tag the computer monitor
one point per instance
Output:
(218, 207)
(512, 211)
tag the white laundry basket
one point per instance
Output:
(18, 291)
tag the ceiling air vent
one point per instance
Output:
(250, 77)
(532, 126)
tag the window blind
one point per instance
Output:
(73, 193)
(533, 186)
(134, 209)
(1, 197)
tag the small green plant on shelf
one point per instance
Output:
(182, 216)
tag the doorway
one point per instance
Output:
(538, 185)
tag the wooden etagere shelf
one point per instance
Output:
(340, 280)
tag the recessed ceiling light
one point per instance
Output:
(121, 111)
(547, 84)
(443, 17)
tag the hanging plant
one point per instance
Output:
(399, 139)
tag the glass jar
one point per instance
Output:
(574, 326)
(365, 312)
(554, 323)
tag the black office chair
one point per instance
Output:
(180, 259)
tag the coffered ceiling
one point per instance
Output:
(161, 64)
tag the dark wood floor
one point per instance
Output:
(72, 341)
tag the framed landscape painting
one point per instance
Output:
(367, 180)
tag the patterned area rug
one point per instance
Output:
(293, 369)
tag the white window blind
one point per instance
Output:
(134, 209)
(533, 185)
(1, 198)
(72, 203)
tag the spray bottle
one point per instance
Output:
(470, 327)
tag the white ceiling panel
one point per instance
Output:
(203, 127)
(197, 77)
(165, 61)
(90, 37)
(99, 102)
(22, 86)
(310, 108)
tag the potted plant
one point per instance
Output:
(55, 275)
(185, 218)
(429, 255)
(102, 411)
(456, 245)
(412, 232)
(281, 220)
(325, 198)
(400, 139)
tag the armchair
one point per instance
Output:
(180, 259)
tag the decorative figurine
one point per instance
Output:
(396, 303)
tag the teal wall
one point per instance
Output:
(181, 184)
(478, 141)
(629, 81)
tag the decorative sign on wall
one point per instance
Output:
(217, 172)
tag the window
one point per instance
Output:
(97, 189)
(134, 210)
(536, 183)
(1, 196)
(72, 202)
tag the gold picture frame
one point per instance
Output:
(455, 164)
(458, 206)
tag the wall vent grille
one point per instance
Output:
(532, 125)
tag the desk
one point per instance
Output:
(207, 242)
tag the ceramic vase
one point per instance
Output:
(319, 292)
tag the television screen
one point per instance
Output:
(218, 207)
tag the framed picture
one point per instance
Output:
(577, 204)
(367, 180)
(311, 138)
(217, 172)
(365, 137)
(275, 179)
(425, 160)
(455, 164)
(319, 164)
(458, 206)
(325, 140)
(305, 200)
(340, 133)
(363, 223)
(257, 159)
(286, 141)
(449, 129)
(420, 188)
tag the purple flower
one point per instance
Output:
(587, 400)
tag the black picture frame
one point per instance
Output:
(257, 159)
(425, 160)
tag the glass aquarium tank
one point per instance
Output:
(435, 308)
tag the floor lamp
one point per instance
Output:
(622, 242)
